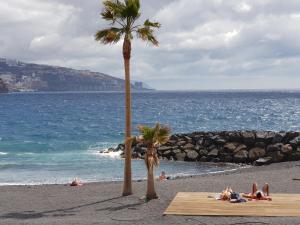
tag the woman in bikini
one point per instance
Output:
(259, 194)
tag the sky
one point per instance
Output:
(204, 44)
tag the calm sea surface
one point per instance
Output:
(54, 137)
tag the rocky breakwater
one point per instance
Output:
(253, 147)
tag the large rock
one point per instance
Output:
(276, 156)
(263, 161)
(180, 156)
(231, 146)
(255, 153)
(181, 143)
(294, 156)
(241, 156)
(287, 149)
(166, 153)
(192, 155)
(260, 144)
(172, 142)
(203, 152)
(295, 141)
(213, 153)
(248, 137)
(234, 136)
(278, 137)
(261, 136)
(274, 148)
(189, 146)
(239, 148)
(164, 148)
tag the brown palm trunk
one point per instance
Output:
(127, 187)
(151, 194)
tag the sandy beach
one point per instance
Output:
(101, 203)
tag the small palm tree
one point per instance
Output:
(122, 16)
(152, 138)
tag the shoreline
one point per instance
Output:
(173, 177)
(102, 203)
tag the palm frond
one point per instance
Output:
(147, 133)
(162, 135)
(109, 35)
(148, 23)
(113, 9)
(131, 10)
(146, 34)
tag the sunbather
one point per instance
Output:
(259, 194)
(76, 182)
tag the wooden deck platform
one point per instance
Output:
(199, 204)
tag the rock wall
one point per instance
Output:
(256, 147)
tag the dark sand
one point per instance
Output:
(101, 203)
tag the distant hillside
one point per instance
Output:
(20, 76)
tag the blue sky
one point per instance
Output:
(204, 44)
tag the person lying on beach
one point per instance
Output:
(259, 194)
(76, 182)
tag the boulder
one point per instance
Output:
(188, 139)
(215, 160)
(260, 144)
(234, 136)
(239, 148)
(294, 156)
(286, 149)
(181, 143)
(203, 159)
(164, 148)
(220, 141)
(295, 141)
(172, 142)
(241, 156)
(214, 153)
(273, 148)
(211, 147)
(248, 137)
(203, 152)
(231, 146)
(198, 147)
(255, 153)
(261, 136)
(166, 153)
(277, 156)
(263, 161)
(278, 137)
(188, 146)
(180, 156)
(192, 155)
(175, 151)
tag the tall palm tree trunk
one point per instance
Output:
(151, 194)
(127, 187)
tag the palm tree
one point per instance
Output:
(122, 17)
(152, 138)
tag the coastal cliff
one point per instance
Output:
(256, 147)
(20, 76)
(3, 87)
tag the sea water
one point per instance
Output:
(54, 137)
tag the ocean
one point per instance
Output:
(55, 137)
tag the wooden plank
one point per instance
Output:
(199, 204)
